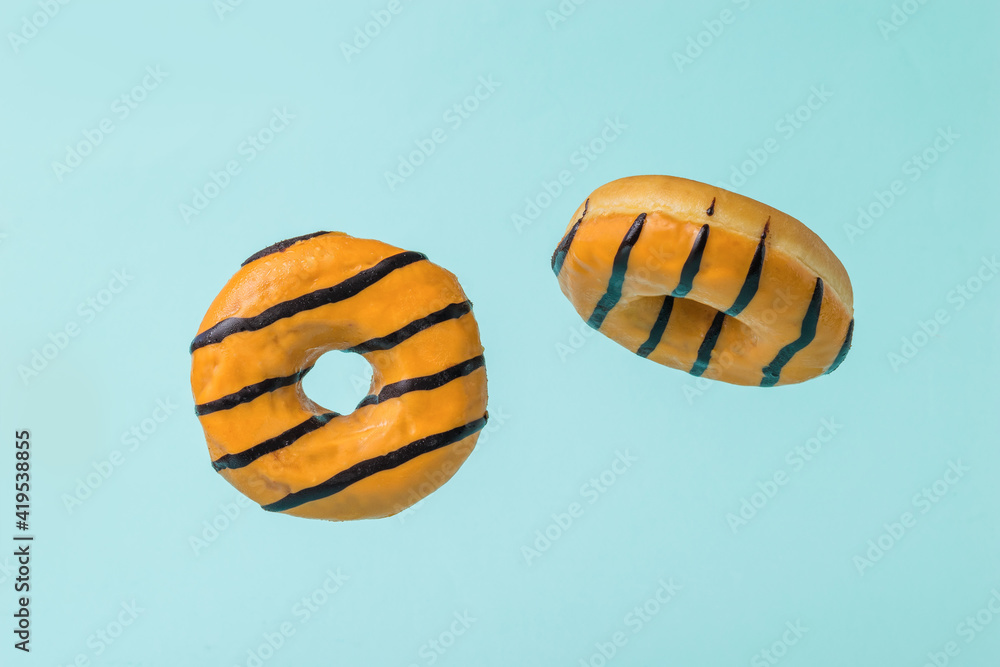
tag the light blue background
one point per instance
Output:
(559, 417)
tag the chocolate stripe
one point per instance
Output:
(752, 281)
(692, 264)
(378, 464)
(370, 399)
(429, 382)
(249, 393)
(321, 297)
(656, 333)
(707, 345)
(559, 256)
(280, 246)
(844, 348)
(451, 312)
(618, 269)
(772, 372)
(711, 209)
(248, 456)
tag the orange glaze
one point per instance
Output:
(293, 302)
(706, 281)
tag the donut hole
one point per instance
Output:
(338, 381)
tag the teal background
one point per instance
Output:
(563, 404)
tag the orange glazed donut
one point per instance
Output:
(285, 307)
(706, 281)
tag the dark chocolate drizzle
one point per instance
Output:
(248, 456)
(692, 264)
(389, 341)
(711, 209)
(370, 399)
(320, 297)
(425, 383)
(369, 467)
(844, 349)
(772, 372)
(618, 269)
(280, 246)
(656, 333)
(752, 281)
(249, 393)
(559, 256)
(707, 345)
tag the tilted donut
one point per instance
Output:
(706, 281)
(300, 298)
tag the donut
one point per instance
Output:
(286, 306)
(706, 281)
